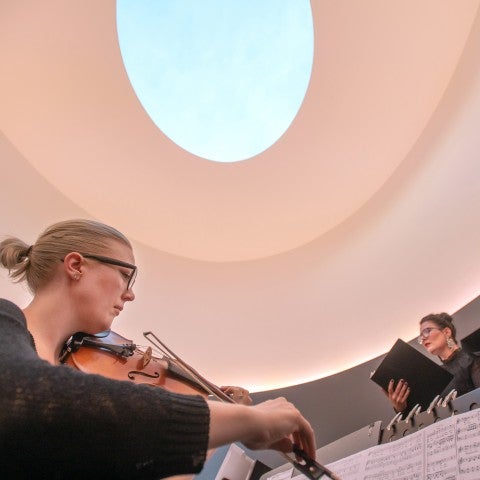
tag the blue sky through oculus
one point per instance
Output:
(223, 79)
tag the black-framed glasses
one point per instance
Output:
(112, 261)
(425, 333)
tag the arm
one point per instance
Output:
(274, 424)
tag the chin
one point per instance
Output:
(108, 324)
(102, 326)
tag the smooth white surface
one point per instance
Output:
(305, 260)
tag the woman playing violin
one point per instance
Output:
(56, 422)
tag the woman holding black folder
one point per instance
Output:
(438, 336)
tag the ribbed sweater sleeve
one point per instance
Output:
(56, 422)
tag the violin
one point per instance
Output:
(111, 355)
(114, 356)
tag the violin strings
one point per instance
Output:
(204, 383)
(158, 353)
(172, 357)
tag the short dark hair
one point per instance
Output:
(442, 320)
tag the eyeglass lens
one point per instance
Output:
(425, 333)
(112, 261)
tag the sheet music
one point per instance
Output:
(441, 451)
(352, 467)
(397, 460)
(468, 445)
(447, 450)
(285, 475)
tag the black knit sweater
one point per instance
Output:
(56, 422)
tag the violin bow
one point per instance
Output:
(308, 466)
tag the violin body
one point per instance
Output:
(113, 356)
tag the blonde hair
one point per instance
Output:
(35, 264)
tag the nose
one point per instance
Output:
(128, 295)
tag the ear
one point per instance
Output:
(447, 331)
(73, 264)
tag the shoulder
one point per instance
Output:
(469, 354)
(475, 356)
(466, 358)
(9, 308)
(9, 312)
(13, 330)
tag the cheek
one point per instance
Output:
(108, 286)
(96, 300)
(439, 337)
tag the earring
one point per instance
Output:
(450, 343)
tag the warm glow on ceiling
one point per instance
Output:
(310, 257)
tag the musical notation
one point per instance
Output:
(468, 440)
(448, 450)
(440, 449)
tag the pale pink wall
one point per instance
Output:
(330, 303)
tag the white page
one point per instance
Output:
(236, 465)
(285, 475)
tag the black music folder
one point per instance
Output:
(425, 378)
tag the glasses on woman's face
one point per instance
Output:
(425, 333)
(111, 261)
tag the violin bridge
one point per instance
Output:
(147, 356)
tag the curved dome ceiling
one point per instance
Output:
(373, 88)
(328, 233)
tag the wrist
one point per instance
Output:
(231, 423)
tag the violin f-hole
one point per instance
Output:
(131, 374)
